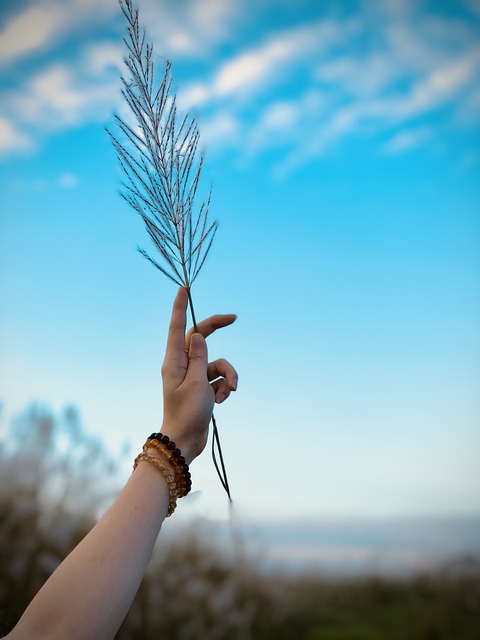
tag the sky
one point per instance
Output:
(342, 145)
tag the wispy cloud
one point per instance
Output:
(11, 138)
(406, 140)
(26, 32)
(39, 28)
(359, 77)
(62, 95)
(283, 122)
(388, 87)
(267, 62)
(67, 180)
(473, 5)
(300, 89)
(188, 28)
(44, 183)
(223, 130)
(83, 86)
(256, 68)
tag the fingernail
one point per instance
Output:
(197, 340)
(234, 385)
(220, 398)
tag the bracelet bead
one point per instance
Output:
(169, 450)
(173, 489)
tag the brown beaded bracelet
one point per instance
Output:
(172, 453)
(167, 474)
(184, 482)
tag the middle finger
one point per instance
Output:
(222, 368)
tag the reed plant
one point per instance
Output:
(158, 151)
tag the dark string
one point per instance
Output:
(222, 474)
(221, 471)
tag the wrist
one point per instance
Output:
(176, 469)
(187, 445)
(167, 472)
(153, 451)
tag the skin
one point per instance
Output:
(90, 593)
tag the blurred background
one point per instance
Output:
(342, 144)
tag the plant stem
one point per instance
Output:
(221, 471)
(194, 321)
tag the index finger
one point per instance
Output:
(176, 334)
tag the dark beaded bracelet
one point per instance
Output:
(170, 450)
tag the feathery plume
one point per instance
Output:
(162, 165)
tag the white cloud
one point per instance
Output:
(67, 181)
(439, 86)
(413, 67)
(256, 68)
(362, 75)
(11, 138)
(223, 128)
(53, 99)
(64, 181)
(62, 95)
(285, 121)
(212, 17)
(189, 27)
(101, 56)
(349, 77)
(473, 5)
(280, 115)
(427, 42)
(443, 84)
(406, 140)
(52, 95)
(69, 92)
(180, 28)
(193, 95)
(26, 33)
(41, 27)
(259, 65)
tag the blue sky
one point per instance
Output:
(342, 142)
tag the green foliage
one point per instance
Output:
(425, 608)
(191, 590)
(191, 593)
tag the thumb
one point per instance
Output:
(197, 357)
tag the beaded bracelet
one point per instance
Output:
(182, 476)
(172, 453)
(167, 474)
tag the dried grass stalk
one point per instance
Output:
(162, 164)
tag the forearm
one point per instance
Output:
(90, 593)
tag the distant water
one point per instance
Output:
(357, 546)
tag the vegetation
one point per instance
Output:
(50, 471)
(158, 152)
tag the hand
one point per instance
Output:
(191, 384)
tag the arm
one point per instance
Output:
(89, 595)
